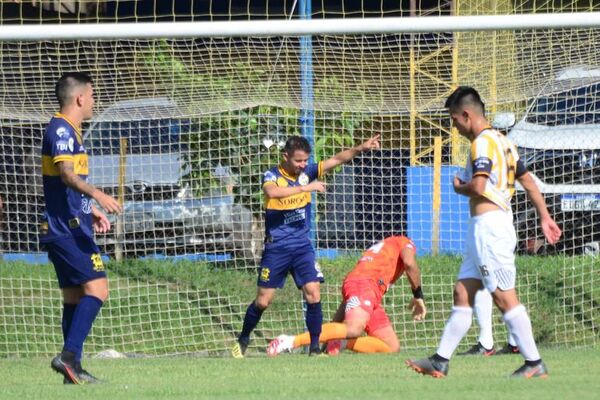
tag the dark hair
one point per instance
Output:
(296, 143)
(464, 96)
(67, 82)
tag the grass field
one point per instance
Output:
(158, 308)
(349, 376)
(165, 308)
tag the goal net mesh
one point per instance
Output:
(184, 128)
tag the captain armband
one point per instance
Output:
(521, 169)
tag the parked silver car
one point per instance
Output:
(559, 141)
(160, 213)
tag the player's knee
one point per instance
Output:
(312, 292)
(97, 288)
(102, 294)
(395, 349)
(354, 332)
(263, 302)
(394, 346)
(264, 298)
(313, 297)
(354, 329)
(505, 303)
(461, 297)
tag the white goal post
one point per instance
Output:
(299, 27)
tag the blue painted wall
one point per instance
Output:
(454, 210)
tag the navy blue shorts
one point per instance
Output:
(76, 261)
(277, 262)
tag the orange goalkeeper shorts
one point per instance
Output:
(364, 293)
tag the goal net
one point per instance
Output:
(184, 127)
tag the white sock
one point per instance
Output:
(483, 312)
(520, 326)
(456, 328)
(511, 339)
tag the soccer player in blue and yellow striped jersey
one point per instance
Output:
(288, 249)
(70, 220)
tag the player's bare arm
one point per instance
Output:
(550, 229)
(347, 155)
(100, 223)
(413, 274)
(474, 188)
(72, 180)
(276, 192)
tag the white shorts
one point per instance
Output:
(490, 251)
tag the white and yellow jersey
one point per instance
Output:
(496, 157)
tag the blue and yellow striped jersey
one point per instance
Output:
(68, 212)
(287, 220)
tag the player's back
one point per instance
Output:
(382, 262)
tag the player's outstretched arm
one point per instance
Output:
(72, 180)
(549, 227)
(413, 274)
(347, 155)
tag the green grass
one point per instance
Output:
(350, 376)
(160, 307)
(149, 297)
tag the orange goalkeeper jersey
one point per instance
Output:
(382, 262)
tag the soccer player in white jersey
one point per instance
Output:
(492, 167)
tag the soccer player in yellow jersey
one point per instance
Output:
(287, 188)
(492, 167)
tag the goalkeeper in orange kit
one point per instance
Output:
(361, 310)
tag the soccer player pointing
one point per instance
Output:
(492, 167)
(287, 189)
(70, 220)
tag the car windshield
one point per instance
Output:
(571, 107)
(142, 137)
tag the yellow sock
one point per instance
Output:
(368, 344)
(330, 331)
